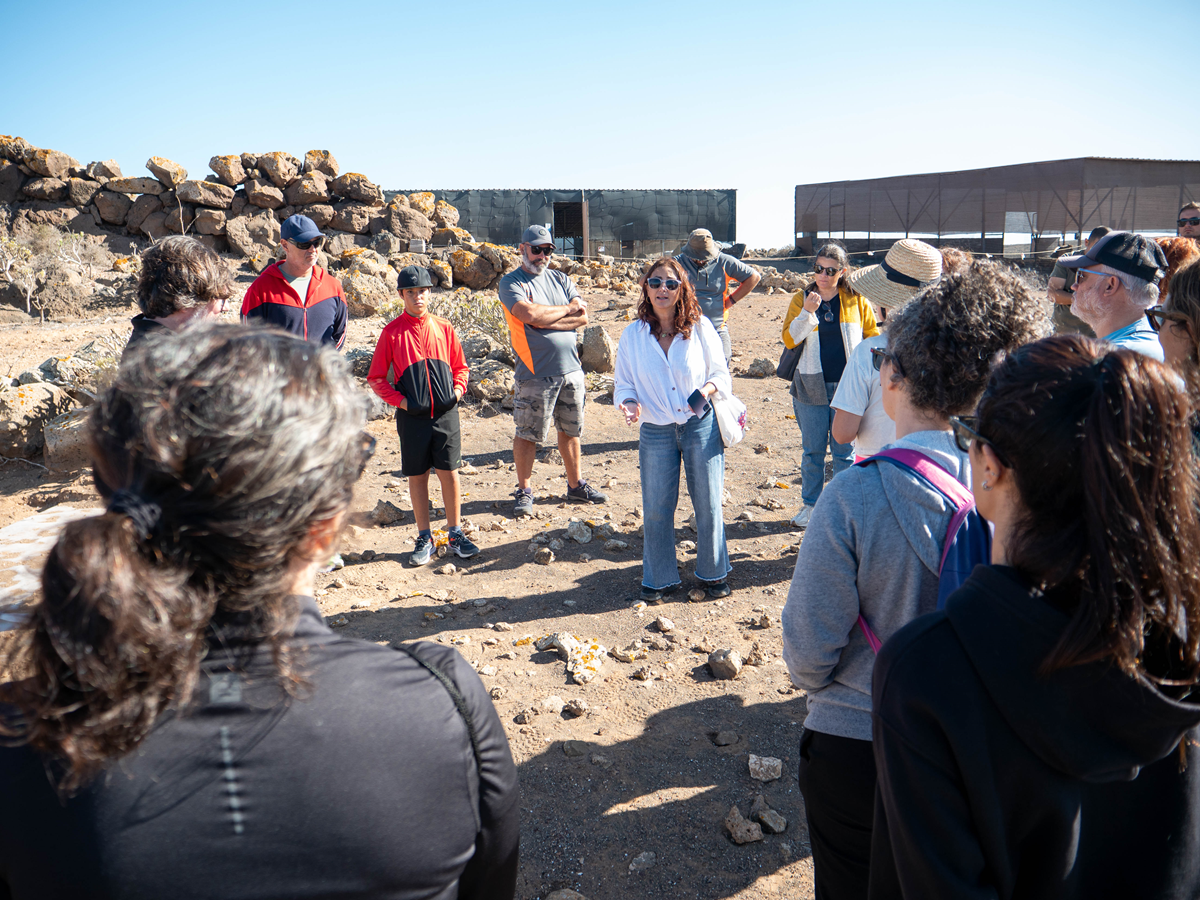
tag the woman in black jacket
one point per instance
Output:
(190, 727)
(1037, 738)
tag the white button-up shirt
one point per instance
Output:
(662, 382)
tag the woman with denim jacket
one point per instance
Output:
(669, 366)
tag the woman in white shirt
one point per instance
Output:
(669, 365)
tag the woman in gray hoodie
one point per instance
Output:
(874, 545)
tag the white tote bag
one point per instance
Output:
(731, 417)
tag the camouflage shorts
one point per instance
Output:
(536, 399)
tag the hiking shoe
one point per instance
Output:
(423, 552)
(334, 564)
(802, 517)
(462, 546)
(650, 595)
(719, 589)
(523, 505)
(585, 493)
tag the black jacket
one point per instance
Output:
(367, 787)
(997, 782)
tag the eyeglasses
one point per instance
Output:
(826, 270)
(1156, 315)
(1079, 272)
(545, 250)
(1195, 220)
(656, 283)
(964, 433)
(308, 245)
(878, 355)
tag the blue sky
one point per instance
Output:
(759, 96)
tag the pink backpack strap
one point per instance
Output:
(869, 635)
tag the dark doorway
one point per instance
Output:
(570, 228)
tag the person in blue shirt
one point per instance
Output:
(1116, 281)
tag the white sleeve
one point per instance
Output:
(854, 390)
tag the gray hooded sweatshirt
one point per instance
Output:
(873, 547)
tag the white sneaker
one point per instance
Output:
(802, 517)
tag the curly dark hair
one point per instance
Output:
(214, 481)
(949, 336)
(687, 310)
(178, 273)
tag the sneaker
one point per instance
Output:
(423, 552)
(719, 589)
(462, 546)
(649, 595)
(524, 503)
(585, 493)
(334, 564)
(802, 517)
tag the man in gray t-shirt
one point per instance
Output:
(712, 274)
(544, 309)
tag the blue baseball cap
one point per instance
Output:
(537, 236)
(299, 228)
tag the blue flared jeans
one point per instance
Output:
(697, 443)
(815, 422)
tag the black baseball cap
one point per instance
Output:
(1124, 251)
(414, 277)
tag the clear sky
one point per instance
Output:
(758, 96)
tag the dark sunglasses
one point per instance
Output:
(656, 283)
(1156, 316)
(878, 355)
(308, 245)
(545, 250)
(964, 433)
(826, 270)
(1195, 220)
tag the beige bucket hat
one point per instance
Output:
(701, 246)
(909, 266)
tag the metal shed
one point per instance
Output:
(977, 209)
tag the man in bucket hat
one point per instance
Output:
(1116, 281)
(712, 273)
(858, 403)
(295, 293)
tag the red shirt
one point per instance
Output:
(426, 361)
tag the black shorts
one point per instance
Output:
(427, 443)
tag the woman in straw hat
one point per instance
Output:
(189, 725)
(858, 414)
(828, 321)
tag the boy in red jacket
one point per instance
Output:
(429, 376)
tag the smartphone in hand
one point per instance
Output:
(698, 402)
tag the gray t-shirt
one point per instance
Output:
(711, 282)
(540, 352)
(859, 393)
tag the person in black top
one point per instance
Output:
(189, 726)
(181, 281)
(1037, 738)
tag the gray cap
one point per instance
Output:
(537, 235)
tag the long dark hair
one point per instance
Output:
(217, 452)
(687, 310)
(1104, 464)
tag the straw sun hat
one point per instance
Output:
(909, 266)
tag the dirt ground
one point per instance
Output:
(649, 775)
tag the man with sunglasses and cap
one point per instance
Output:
(1058, 289)
(543, 309)
(1116, 281)
(296, 294)
(1189, 221)
(712, 274)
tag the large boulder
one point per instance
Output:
(424, 202)
(365, 294)
(24, 412)
(598, 352)
(352, 217)
(154, 226)
(250, 236)
(106, 169)
(180, 217)
(263, 194)
(50, 163)
(172, 174)
(313, 187)
(449, 237)
(280, 167)
(228, 169)
(209, 221)
(205, 193)
(142, 207)
(338, 242)
(66, 442)
(321, 161)
(131, 185)
(443, 275)
(502, 259)
(81, 191)
(407, 223)
(492, 381)
(11, 181)
(354, 186)
(113, 207)
(444, 215)
(321, 214)
(53, 190)
(471, 269)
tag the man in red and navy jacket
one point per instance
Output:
(296, 294)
